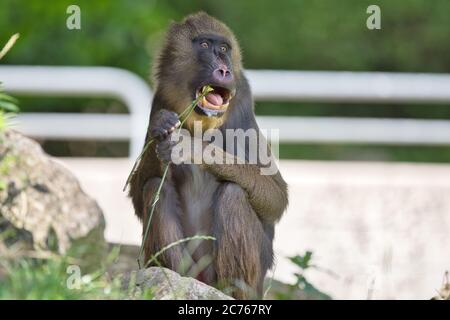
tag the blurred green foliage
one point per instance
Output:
(301, 288)
(46, 280)
(54, 279)
(8, 106)
(290, 34)
(45, 275)
(303, 262)
(7, 103)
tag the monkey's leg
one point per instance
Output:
(243, 251)
(165, 225)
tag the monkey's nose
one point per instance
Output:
(222, 75)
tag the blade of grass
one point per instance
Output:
(175, 243)
(133, 169)
(9, 45)
(152, 210)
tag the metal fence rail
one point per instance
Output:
(82, 82)
(373, 87)
(266, 86)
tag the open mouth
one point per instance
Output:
(214, 103)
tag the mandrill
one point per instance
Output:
(234, 203)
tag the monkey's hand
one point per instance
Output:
(163, 124)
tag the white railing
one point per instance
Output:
(339, 86)
(370, 87)
(82, 82)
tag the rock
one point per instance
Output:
(169, 285)
(41, 201)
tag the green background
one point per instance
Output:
(285, 34)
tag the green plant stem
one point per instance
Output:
(175, 243)
(136, 164)
(9, 45)
(152, 210)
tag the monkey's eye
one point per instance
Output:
(204, 45)
(223, 48)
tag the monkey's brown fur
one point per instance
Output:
(234, 203)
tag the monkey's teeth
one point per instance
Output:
(209, 113)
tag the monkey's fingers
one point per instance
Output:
(169, 127)
(159, 133)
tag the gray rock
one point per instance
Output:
(41, 201)
(169, 285)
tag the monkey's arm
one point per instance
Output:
(267, 193)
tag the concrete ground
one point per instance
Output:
(380, 230)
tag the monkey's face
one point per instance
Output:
(214, 68)
(199, 51)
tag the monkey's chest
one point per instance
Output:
(196, 189)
